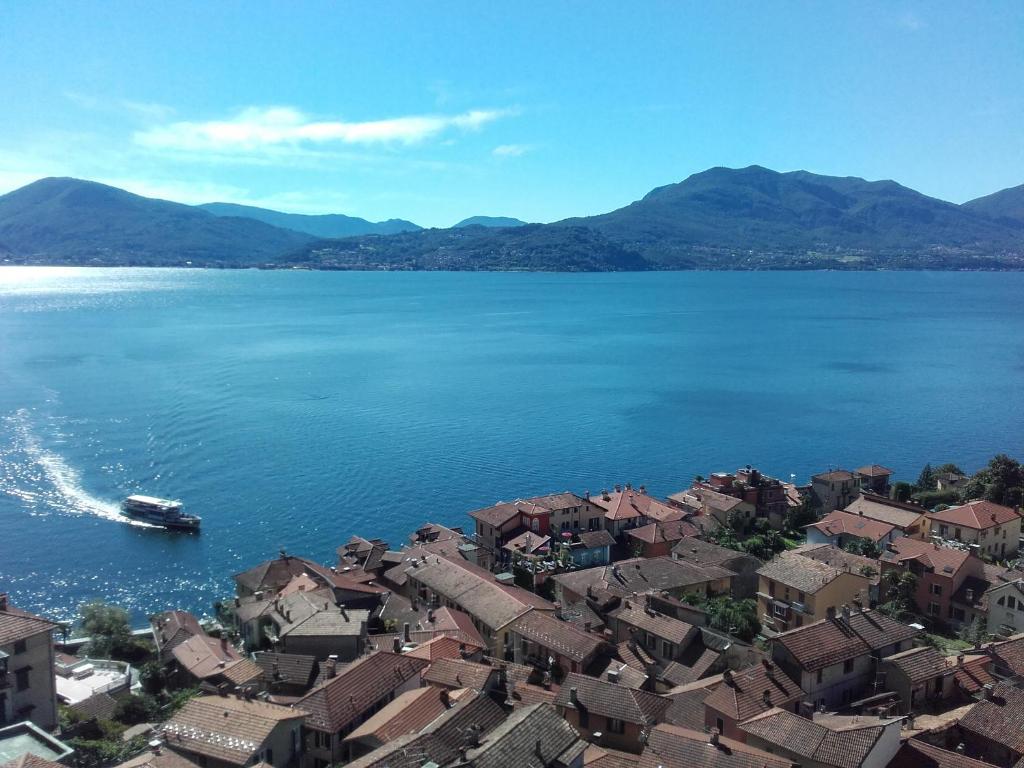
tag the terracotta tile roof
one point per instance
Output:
(29, 760)
(885, 510)
(635, 614)
(641, 575)
(838, 523)
(504, 511)
(407, 713)
(943, 560)
(330, 622)
(225, 728)
(533, 735)
(557, 635)
(528, 543)
(166, 759)
(874, 470)
(291, 668)
(1000, 718)
(834, 476)
(706, 553)
(203, 656)
(974, 674)
(458, 673)
(705, 497)
(337, 701)
(978, 515)
(272, 575)
(16, 624)
(1010, 654)
(442, 647)
(624, 674)
(687, 708)
(670, 746)
(658, 533)
(475, 591)
(448, 732)
(801, 573)
(845, 748)
(675, 673)
(172, 627)
(595, 539)
(605, 757)
(920, 754)
(525, 694)
(630, 503)
(610, 700)
(100, 705)
(752, 691)
(243, 672)
(581, 614)
(831, 641)
(840, 558)
(918, 664)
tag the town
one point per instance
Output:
(742, 621)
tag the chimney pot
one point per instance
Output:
(713, 739)
(574, 697)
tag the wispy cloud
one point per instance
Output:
(911, 21)
(510, 150)
(257, 128)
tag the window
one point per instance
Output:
(943, 531)
(771, 587)
(1011, 602)
(19, 647)
(21, 678)
(652, 642)
(935, 589)
(957, 534)
(666, 649)
(819, 675)
(616, 726)
(934, 609)
(801, 597)
(848, 666)
(779, 610)
(720, 724)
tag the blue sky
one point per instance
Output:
(433, 111)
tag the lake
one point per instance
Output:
(294, 409)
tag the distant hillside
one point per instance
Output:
(1006, 205)
(534, 247)
(750, 218)
(326, 225)
(490, 221)
(758, 217)
(69, 221)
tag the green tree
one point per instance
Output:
(152, 677)
(735, 617)
(926, 480)
(106, 627)
(1002, 481)
(948, 469)
(863, 547)
(132, 710)
(973, 632)
(899, 590)
(902, 491)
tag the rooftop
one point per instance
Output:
(225, 728)
(610, 700)
(801, 573)
(16, 624)
(839, 522)
(641, 575)
(899, 514)
(407, 713)
(978, 515)
(831, 641)
(874, 470)
(670, 746)
(557, 635)
(1000, 718)
(942, 560)
(752, 691)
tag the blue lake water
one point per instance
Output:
(293, 409)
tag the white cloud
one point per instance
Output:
(510, 150)
(261, 127)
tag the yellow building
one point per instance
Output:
(794, 590)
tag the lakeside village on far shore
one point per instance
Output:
(742, 622)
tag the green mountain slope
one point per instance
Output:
(1007, 206)
(326, 225)
(490, 221)
(69, 221)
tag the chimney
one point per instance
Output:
(618, 488)
(430, 615)
(396, 645)
(969, 594)
(727, 677)
(769, 668)
(574, 697)
(613, 675)
(713, 738)
(332, 666)
(343, 614)
(586, 495)
(537, 750)
(767, 698)
(238, 602)
(846, 614)
(987, 691)
(960, 659)
(406, 637)
(155, 745)
(910, 722)
(586, 626)
(446, 700)
(558, 610)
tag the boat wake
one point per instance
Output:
(45, 482)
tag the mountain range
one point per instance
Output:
(722, 218)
